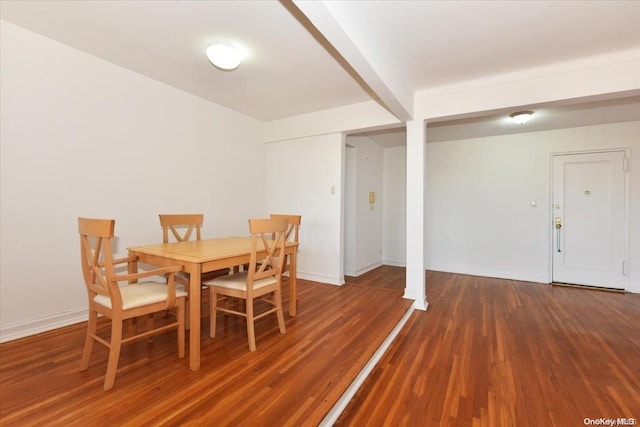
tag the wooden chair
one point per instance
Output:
(260, 281)
(293, 226)
(175, 223)
(122, 302)
(292, 230)
(181, 227)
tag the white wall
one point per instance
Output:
(368, 222)
(83, 137)
(478, 217)
(394, 205)
(300, 174)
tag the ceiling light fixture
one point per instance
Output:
(225, 56)
(521, 117)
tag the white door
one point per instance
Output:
(589, 219)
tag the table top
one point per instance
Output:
(198, 251)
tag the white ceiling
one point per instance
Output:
(292, 69)
(286, 73)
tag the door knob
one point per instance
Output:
(558, 227)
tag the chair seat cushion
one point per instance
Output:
(139, 294)
(238, 281)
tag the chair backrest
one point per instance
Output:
(181, 226)
(293, 224)
(270, 235)
(96, 257)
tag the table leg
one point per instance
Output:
(293, 283)
(132, 324)
(194, 316)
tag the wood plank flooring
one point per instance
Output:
(491, 352)
(487, 352)
(292, 379)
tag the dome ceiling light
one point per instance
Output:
(225, 56)
(521, 117)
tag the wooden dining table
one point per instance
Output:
(201, 256)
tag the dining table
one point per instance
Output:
(201, 256)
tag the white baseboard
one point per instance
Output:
(322, 278)
(366, 269)
(394, 263)
(489, 273)
(42, 324)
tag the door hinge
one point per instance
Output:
(625, 164)
(624, 268)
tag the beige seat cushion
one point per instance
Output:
(238, 281)
(139, 294)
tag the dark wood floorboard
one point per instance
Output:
(386, 277)
(491, 352)
(487, 352)
(292, 379)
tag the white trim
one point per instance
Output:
(490, 273)
(363, 270)
(421, 303)
(394, 263)
(333, 415)
(408, 294)
(319, 277)
(43, 324)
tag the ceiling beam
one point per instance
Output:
(380, 76)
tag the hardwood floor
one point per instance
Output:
(492, 352)
(386, 277)
(292, 379)
(487, 352)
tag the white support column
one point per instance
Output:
(415, 285)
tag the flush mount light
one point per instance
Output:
(521, 117)
(225, 56)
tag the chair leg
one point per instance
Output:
(186, 313)
(114, 353)
(279, 311)
(150, 327)
(132, 325)
(89, 341)
(180, 310)
(213, 303)
(251, 333)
